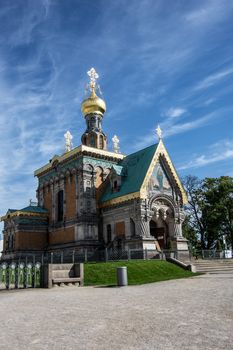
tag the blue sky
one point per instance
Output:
(166, 62)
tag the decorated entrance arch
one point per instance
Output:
(166, 221)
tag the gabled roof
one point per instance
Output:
(34, 209)
(31, 210)
(135, 167)
(138, 168)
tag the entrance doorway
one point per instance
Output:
(159, 233)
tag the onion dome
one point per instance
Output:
(93, 104)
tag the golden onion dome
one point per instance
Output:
(93, 104)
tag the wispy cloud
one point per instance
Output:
(218, 152)
(208, 13)
(171, 128)
(213, 79)
(174, 129)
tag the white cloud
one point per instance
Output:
(175, 112)
(218, 152)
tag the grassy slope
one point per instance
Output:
(139, 272)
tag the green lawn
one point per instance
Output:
(139, 272)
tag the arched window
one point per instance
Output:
(84, 140)
(60, 197)
(101, 142)
(132, 228)
(92, 140)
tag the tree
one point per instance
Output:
(219, 209)
(209, 211)
(195, 225)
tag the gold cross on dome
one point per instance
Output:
(93, 77)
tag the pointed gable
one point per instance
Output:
(139, 169)
(135, 169)
(162, 161)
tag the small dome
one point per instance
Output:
(93, 104)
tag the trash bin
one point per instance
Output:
(122, 278)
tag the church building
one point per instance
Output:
(92, 198)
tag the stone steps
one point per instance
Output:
(213, 266)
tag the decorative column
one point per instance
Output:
(142, 227)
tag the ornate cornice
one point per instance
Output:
(22, 213)
(80, 150)
(121, 199)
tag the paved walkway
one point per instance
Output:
(194, 313)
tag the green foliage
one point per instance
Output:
(209, 212)
(139, 272)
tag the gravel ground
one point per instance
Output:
(193, 313)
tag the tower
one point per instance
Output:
(93, 109)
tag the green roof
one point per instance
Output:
(118, 169)
(35, 221)
(35, 209)
(135, 167)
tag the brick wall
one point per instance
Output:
(63, 235)
(30, 240)
(48, 202)
(120, 228)
(70, 193)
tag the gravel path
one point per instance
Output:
(194, 313)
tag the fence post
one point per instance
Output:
(73, 260)
(85, 255)
(129, 254)
(106, 254)
(25, 282)
(62, 257)
(7, 277)
(51, 256)
(17, 276)
(34, 276)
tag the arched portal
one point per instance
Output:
(162, 222)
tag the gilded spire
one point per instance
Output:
(93, 77)
(116, 147)
(93, 109)
(159, 132)
(93, 104)
(68, 141)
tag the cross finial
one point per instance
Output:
(93, 77)
(116, 141)
(68, 141)
(159, 132)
